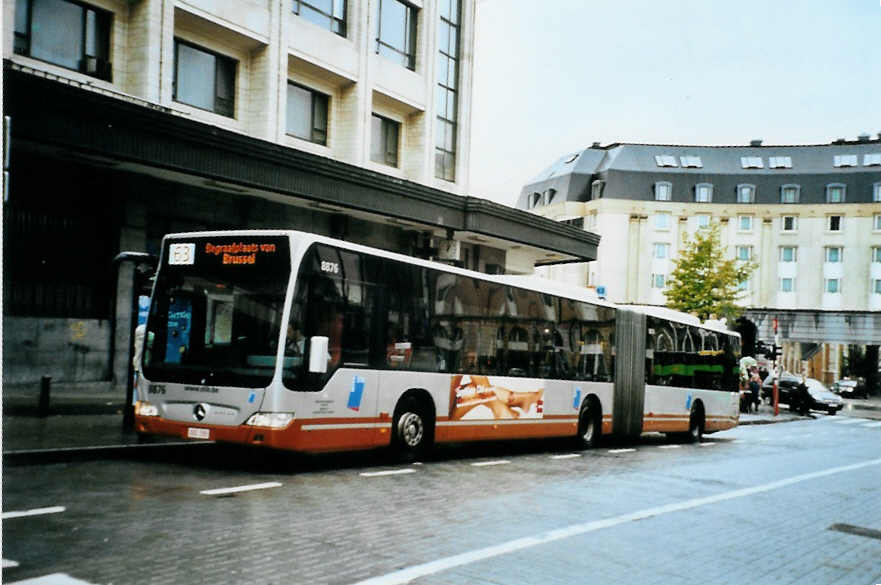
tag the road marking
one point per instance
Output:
(53, 579)
(487, 463)
(872, 424)
(430, 568)
(241, 488)
(706, 444)
(7, 564)
(389, 472)
(622, 450)
(568, 456)
(34, 512)
(669, 446)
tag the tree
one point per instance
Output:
(704, 282)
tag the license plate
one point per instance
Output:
(197, 433)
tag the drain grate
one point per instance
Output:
(857, 530)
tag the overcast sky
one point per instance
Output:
(554, 76)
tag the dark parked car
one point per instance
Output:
(820, 398)
(786, 383)
(849, 388)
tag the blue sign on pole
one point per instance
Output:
(143, 308)
(601, 292)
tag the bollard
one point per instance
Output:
(45, 387)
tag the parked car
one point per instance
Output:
(849, 388)
(786, 384)
(818, 397)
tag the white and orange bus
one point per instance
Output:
(295, 341)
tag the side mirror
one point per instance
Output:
(318, 354)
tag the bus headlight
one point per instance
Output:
(146, 409)
(273, 420)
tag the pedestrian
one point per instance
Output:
(755, 386)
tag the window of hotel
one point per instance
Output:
(751, 162)
(872, 159)
(658, 280)
(744, 253)
(876, 192)
(780, 162)
(746, 193)
(665, 160)
(662, 221)
(787, 284)
(548, 196)
(596, 189)
(835, 193)
(329, 14)
(845, 160)
(690, 161)
(384, 140)
(876, 255)
(534, 199)
(307, 114)
(743, 285)
(703, 220)
(833, 254)
(789, 193)
(703, 193)
(204, 79)
(663, 191)
(745, 223)
(833, 285)
(69, 34)
(396, 32)
(661, 251)
(876, 286)
(447, 97)
(790, 223)
(876, 222)
(833, 223)
(789, 253)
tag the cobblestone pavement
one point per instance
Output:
(787, 503)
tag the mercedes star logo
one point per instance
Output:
(199, 411)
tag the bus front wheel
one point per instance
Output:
(413, 430)
(589, 425)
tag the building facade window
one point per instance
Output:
(789, 193)
(703, 220)
(703, 193)
(872, 159)
(751, 162)
(548, 196)
(691, 162)
(204, 79)
(307, 114)
(789, 253)
(833, 223)
(845, 160)
(876, 192)
(744, 253)
(447, 96)
(744, 223)
(790, 223)
(787, 285)
(659, 281)
(833, 286)
(596, 189)
(384, 141)
(665, 160)
(661, 250)
(876, 255)
(663, 191)
(876, 222)
(662, 221)
(69, 34)
(746, 193)
(876, 286)
(329, 14)
(396, 32)
(743, 285)
(833, 254)
(780, 162)
(835, 193)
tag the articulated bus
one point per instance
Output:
(290, 340)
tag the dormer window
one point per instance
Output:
(780, 162)
(663, 191)
(751, 162)
(596, 189)
(789, 193)
(665, 160)
(746, 193)
(844, 160)
(703, 193)
(835, 193)
(691, 162)
(873, 159)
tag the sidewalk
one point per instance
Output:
(83, 422)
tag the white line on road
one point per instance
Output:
(406, 575)
(34, 512)
(53, 579)
(7, 564)
(669, 446)
(567, 456)
(241, 488)
(872, 424)
(706, 444)
(486, 463)
(389, 472)
(622, 450)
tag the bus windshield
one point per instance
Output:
(216, 311)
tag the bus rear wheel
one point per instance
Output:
(695, 425)
(413, 431)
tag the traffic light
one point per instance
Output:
(762, 349)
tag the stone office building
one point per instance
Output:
(127, 120)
